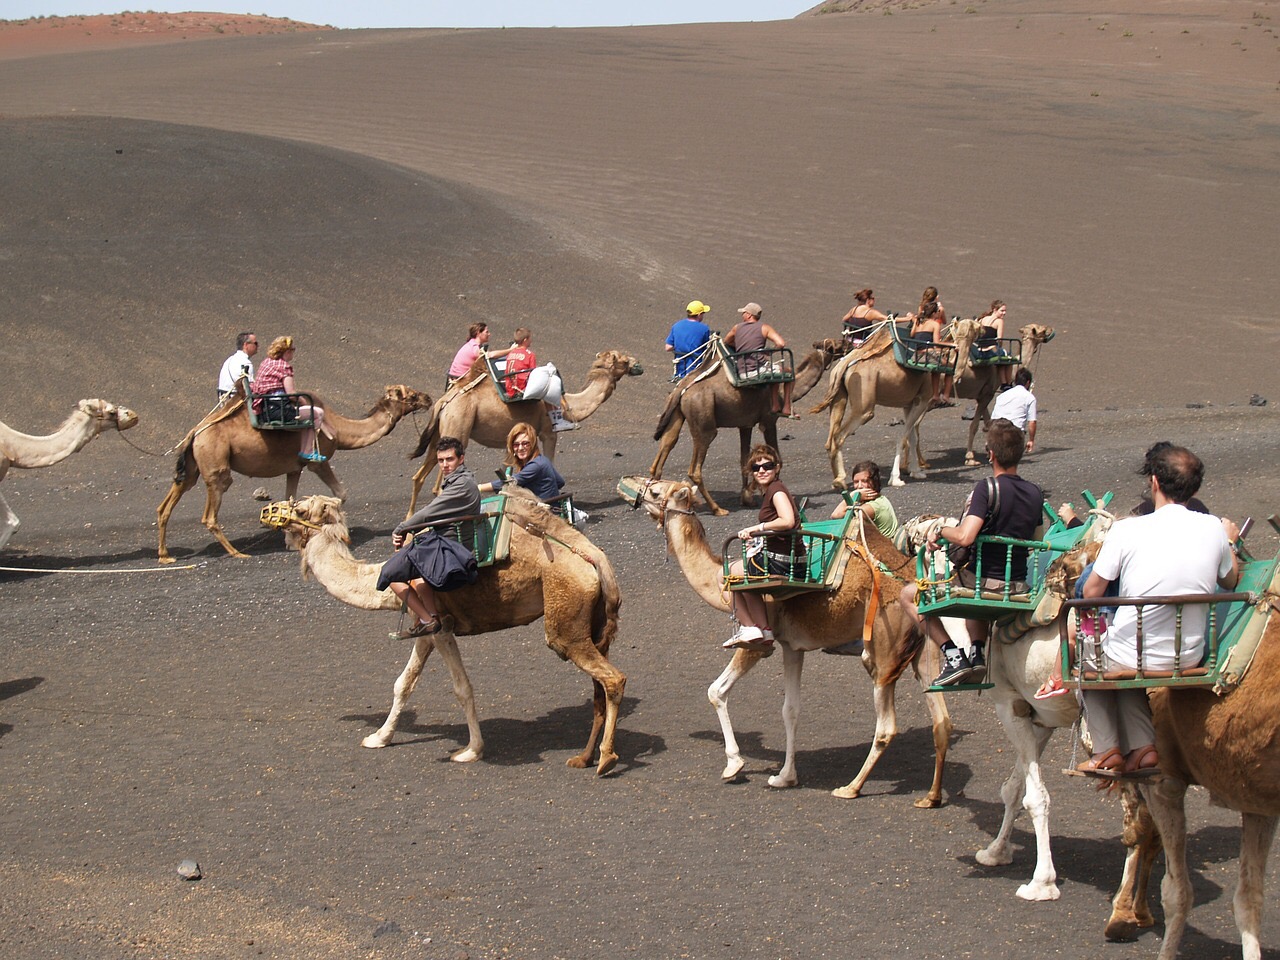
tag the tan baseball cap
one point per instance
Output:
(752, 308)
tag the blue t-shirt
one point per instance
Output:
(686, 337)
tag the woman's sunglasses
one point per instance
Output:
(767, 465)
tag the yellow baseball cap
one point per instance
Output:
(696, 308)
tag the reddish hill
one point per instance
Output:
(38, 36)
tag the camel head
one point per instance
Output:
(617, 364)
(405, 399)
(832, 350)
(104, 413)
(1033, 334)
(658, 496)
(300, 519)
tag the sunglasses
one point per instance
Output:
(767, 465)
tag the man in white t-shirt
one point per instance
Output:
(1172, 551)
(1018, 406)
(239, 364)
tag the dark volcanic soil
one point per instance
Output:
(215, 713)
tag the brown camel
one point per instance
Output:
(812, 621)
(553, 572)
(225, 442)
(1230, 745)
(472, 411)
(27, 452)
(708, 401)
(870, 377)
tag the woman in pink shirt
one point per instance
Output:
(478, 335)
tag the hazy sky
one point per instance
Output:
(451, 13)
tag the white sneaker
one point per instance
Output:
(745, 634)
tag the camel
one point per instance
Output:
(707, 401)
(812, 621)
(1018, 663)
(225, 442)
(27, 452)
(553, 572)
(472, 410)
(870, 377)
(1230, 745)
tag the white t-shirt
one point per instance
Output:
(1017, 405)
(1170, 552)
(233, 370)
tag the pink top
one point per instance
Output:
(464, 358)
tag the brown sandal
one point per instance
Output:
(1142, 762)
(1109, 764)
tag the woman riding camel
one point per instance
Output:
(857, 322)
(527, 466)
(989, 336)
(769, 549)
(275, 377)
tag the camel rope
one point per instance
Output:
(164, 569)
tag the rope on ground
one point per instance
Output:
(164, 569)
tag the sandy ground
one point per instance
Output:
(374, 192)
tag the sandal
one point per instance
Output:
(1143, 762)
(1109, 764)
(423, 628)
(1052, 687)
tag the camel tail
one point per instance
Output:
(906, 647)
(833, 393)
(428, 433)
(180, 464)
(668, 413)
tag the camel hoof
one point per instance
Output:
(928, 803)
(1126, 929)
(779, 782)
(375, 741)
(971, 462)
(606, 764)
(466, 755)
(732, 769)
(838, 486)
(897, 482)
(918, 475)
(165, 559)
(925, 465)
(847, 793)
(994, 857)
(1038, 892)
(578, 763)
(719, 512)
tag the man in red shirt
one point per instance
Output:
(520, 361)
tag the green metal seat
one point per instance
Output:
(922, 355)
(486, 534)
(942, 595)
(1005, 352)
(279, 410)
(1235, 623)
(757, 368)
(822, 541)
(498, 370)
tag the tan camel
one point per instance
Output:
(225, 442)
(870, 377)
(709, 403)
(1230, 745)
(812, 621)
(27, 452)
(472, 411)
(553, 572)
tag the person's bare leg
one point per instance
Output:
(408, 594)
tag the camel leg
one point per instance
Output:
(216, 484)
(941, 719)
(886, 730)
(835, 437)
(1044, 882)
(669, 438)
(611, 682)
(447, 644)
(982, 415)
(999, 851)
(1129, 908)
(1166, 800)
(291, 484)
(792, 665)
(165, 510)
(330, 479)
(701, 443)
(744, 451)
(420, 476)
(1257, 834)
(404, 685)
(718, 694)
(9, 523)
